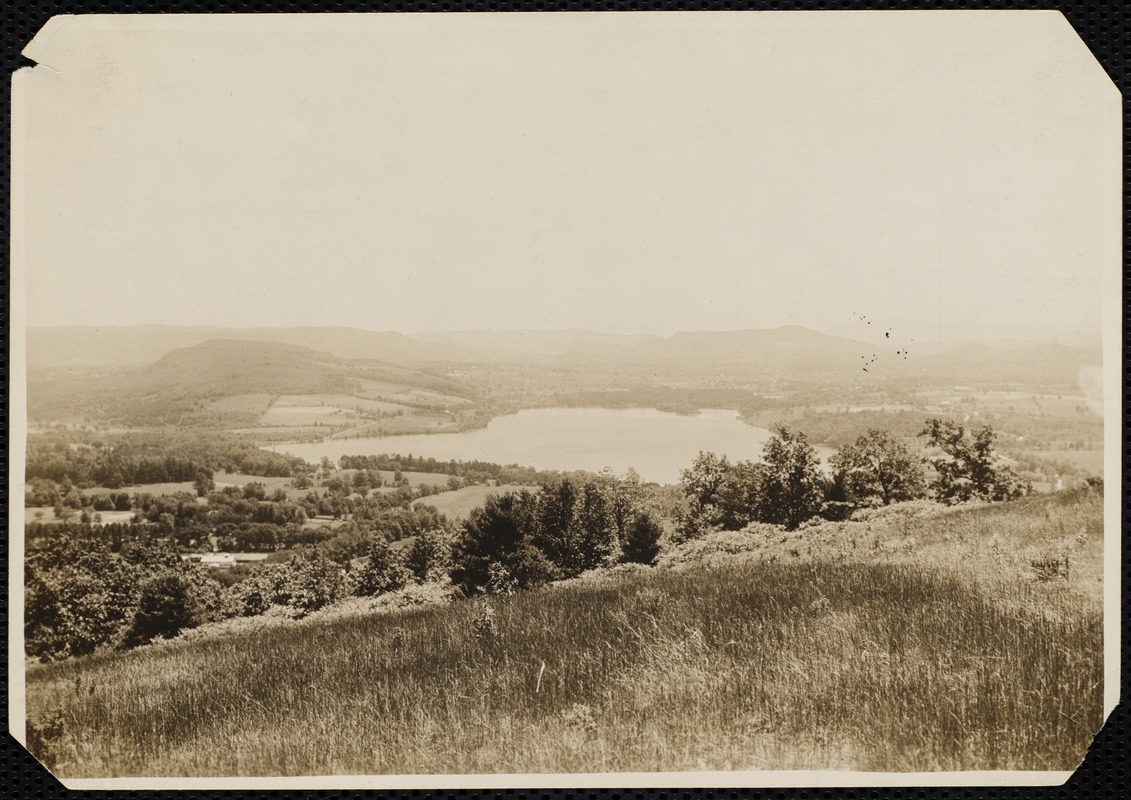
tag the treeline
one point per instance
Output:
(247, 519)
(788, 487)
(667, 398)
(80, 597)
(1018, 433)
(472, 471)
(839, 428)
(521, 539)
(117, 460)
(46, 492)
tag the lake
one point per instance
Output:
(656, 444)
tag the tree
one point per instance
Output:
(968, 467)
(592, 532)
(701, 484)
(642, 543)
(255, 490)
(793, 487)
(498, 535)
(702, 480)
(738, 498)
(575, 523)
(877, 467)
(63, 513)
(525, 568)
(203, 482)
(254, 594)
(720, 495)
(625, 495)
(77, 597)
(553, 521)
(428, 556)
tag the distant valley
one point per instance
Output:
(312, 384)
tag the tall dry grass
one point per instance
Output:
(835, 647)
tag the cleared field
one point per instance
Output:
(323, 522)
(305, 416)
(417, 478)
(416, 422)
(344, 401)
(397, 393)
(459, 503)
(241, 404)
(282, 433)
(223, 479)
(921, 640)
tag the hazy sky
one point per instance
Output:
(623, 173)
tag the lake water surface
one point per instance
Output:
(656, 444)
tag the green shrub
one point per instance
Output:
(382, 572)
(310, 582)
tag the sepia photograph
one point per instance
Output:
(564, 399)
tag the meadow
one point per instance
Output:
(458, 504)
(918, 638)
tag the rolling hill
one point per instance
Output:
(178, 383)
(82, 348)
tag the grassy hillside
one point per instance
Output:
(921, 639)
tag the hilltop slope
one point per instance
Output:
(912, 641)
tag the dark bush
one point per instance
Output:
(642, 544)
(169, 603)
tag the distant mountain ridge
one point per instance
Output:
(789, 351)
(138, 345)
